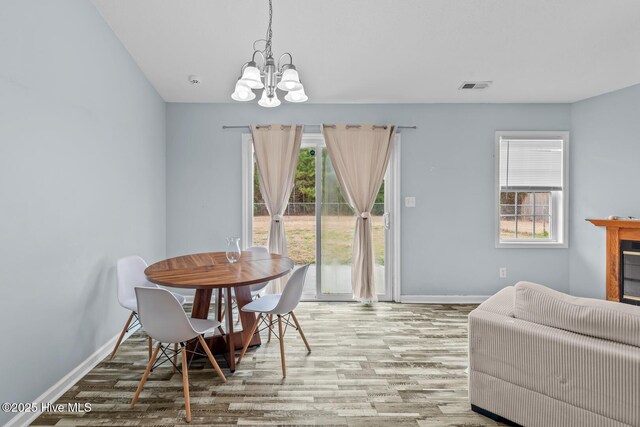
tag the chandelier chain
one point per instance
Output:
(267, 48)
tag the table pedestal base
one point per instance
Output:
(222, 344)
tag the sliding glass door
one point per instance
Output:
(320, 223)
(337, 224)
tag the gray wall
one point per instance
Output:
(82, 183)
(605, 164)
(447, 164)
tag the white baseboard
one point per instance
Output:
(443, 299)
(59, 388)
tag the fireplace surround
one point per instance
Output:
(623, 259)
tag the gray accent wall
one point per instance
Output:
(605, 163)
(448, 239)
(82, 183)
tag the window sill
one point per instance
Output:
(531, 245)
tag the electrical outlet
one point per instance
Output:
(503, 272)
(409, 202)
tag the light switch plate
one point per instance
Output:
(409, 202)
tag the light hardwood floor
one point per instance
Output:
(385, 365)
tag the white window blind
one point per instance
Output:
(531, 164)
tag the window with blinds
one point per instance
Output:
(531, 179)
(531, 165)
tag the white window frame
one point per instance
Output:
(560, 220)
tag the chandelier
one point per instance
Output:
(269, 75)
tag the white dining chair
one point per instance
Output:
(163, 318)
(282, 306)
(131, 275)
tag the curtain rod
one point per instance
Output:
(249, 127)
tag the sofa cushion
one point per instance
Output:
(500, 303)
(596, 318)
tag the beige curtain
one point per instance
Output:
(360, 155)
(277, 148)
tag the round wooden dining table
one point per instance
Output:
(206, 272)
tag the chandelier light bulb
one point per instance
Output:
(296, 95)
(251, 77)
(290, 80)
(242, 92)
(268, 102)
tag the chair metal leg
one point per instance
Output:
(185, 383)
(270, 326)
(284, 365)
(145, 375)
(295, 320)
(212, 359)
(124, 331)
(249, 338)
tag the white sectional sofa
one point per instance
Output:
(539, 357)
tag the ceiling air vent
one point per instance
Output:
(474, 85)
